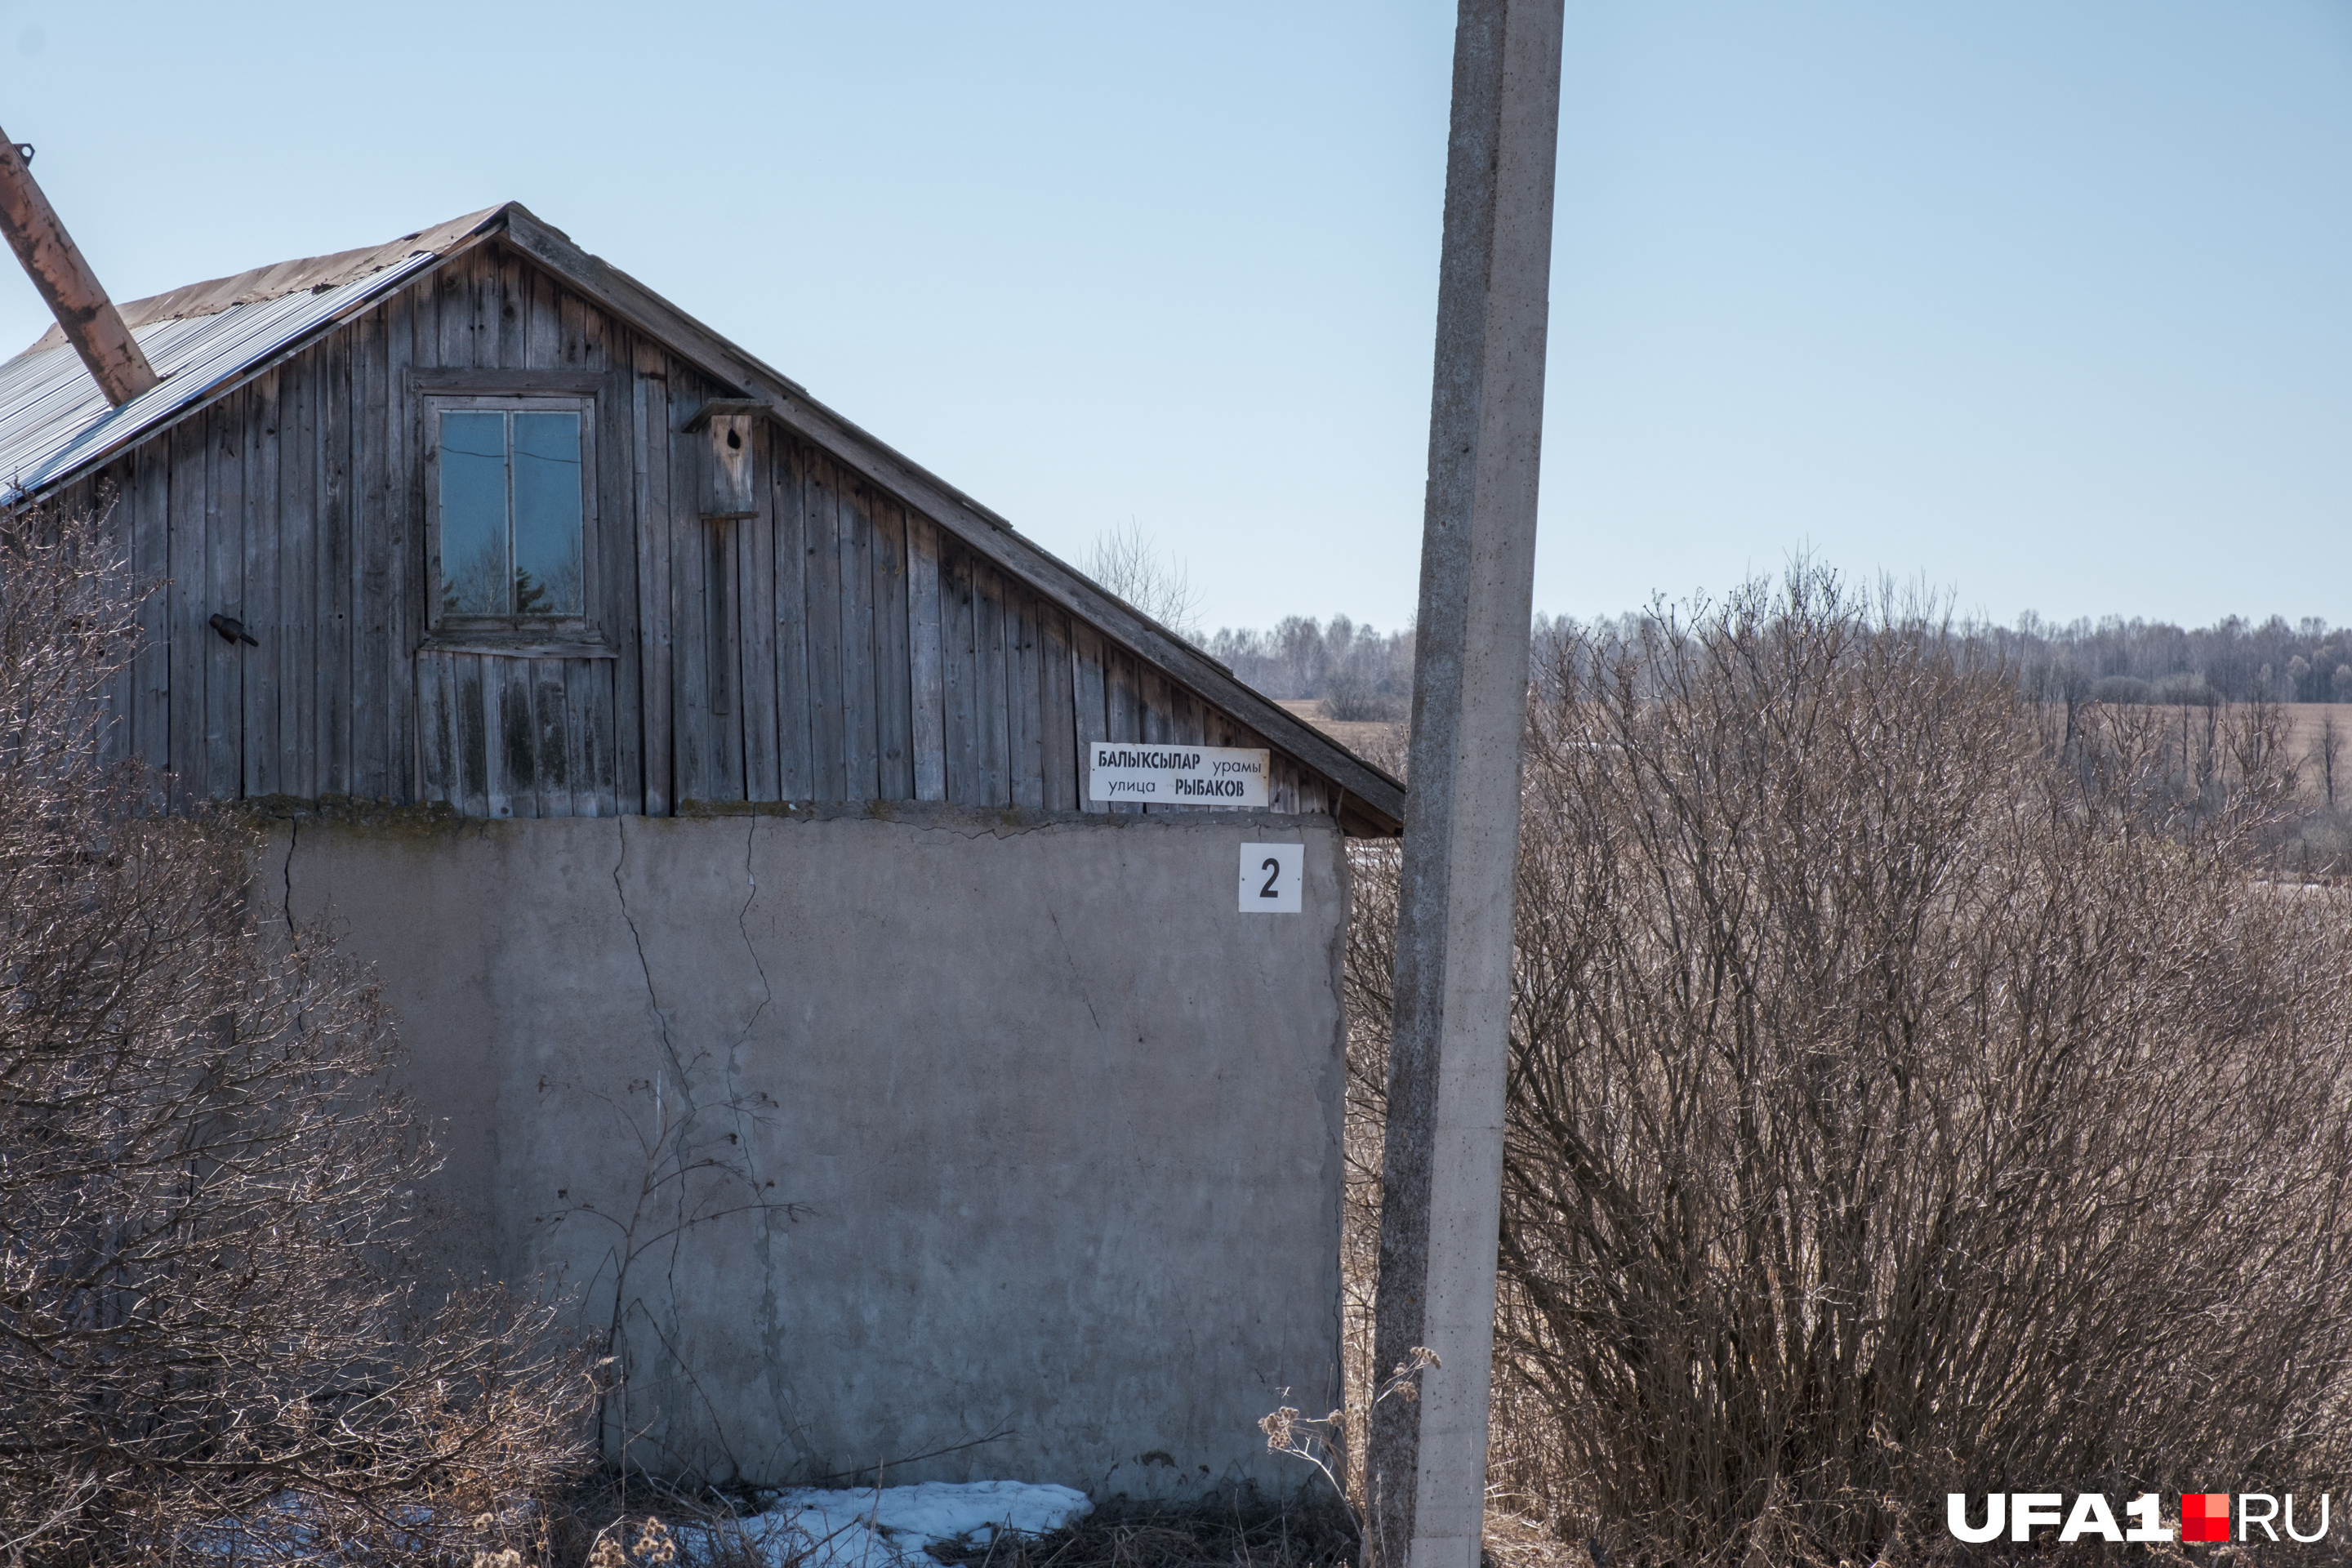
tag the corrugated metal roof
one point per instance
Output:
(54, 420)
(281, 278)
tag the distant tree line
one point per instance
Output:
(2126, 661)
(2234, 660)
(1357, 672)
(1360, 673)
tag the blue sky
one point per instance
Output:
(2045, 304)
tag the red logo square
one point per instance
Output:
(2205, 1516)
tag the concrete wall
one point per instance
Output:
(1058, 1128)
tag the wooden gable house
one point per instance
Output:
(709, 786)
(772, 605)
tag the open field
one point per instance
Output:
(2305, 724)
(1380, 741)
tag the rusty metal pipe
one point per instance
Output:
(87, 316)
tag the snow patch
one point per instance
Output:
(890, 1527)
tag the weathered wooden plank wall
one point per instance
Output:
(837, 646)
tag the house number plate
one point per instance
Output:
(1272, 875)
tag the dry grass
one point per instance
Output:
(608, 1521)
(1516, 1541)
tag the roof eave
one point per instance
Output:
(1371, 799)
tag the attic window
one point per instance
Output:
(510, 511)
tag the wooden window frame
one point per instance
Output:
(546, 636)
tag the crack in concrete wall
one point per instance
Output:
(770, 1324)
(1053, 1121)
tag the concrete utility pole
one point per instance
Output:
(1442, 1174)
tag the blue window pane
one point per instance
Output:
(547, 515)
(473, 514)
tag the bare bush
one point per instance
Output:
(1905, 1096)
(2326, 750)
(208, 1332)
(695, 1173)
(1126, 562)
